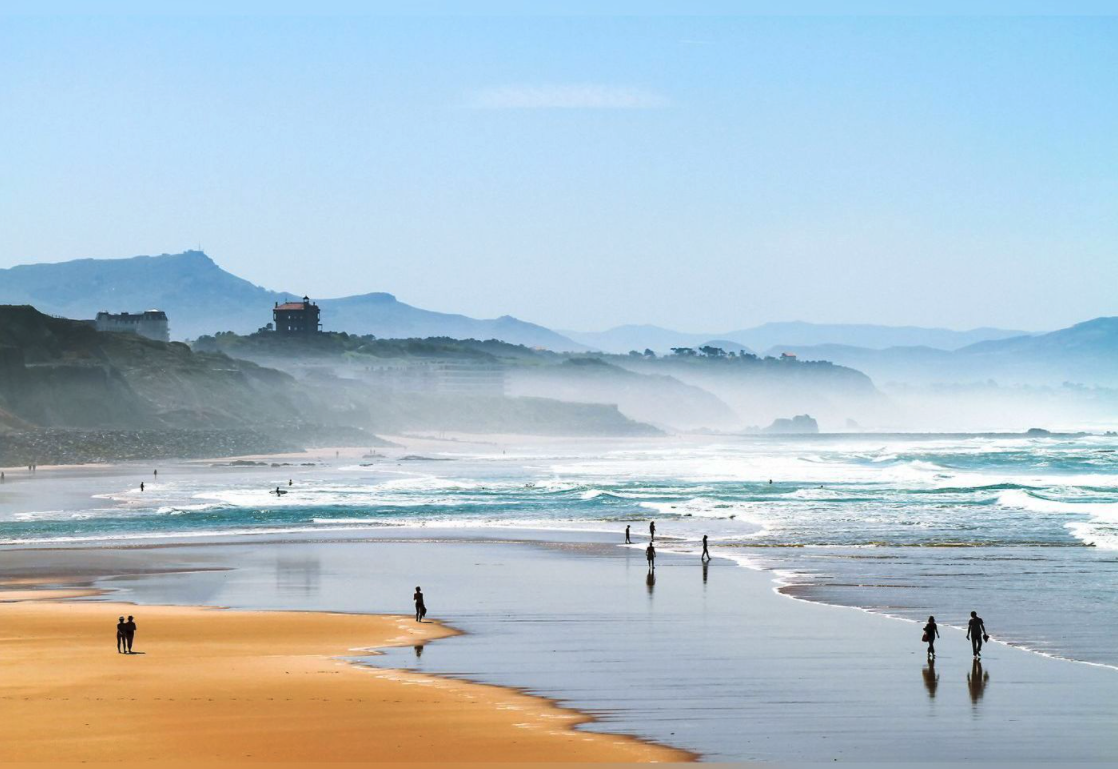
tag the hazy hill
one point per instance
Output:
(201, 298)
(63, 373)
(761, 390)
(625, 338)
(647, 397)
(1085, 353)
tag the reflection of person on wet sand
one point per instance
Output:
(706, 569)
(931, 677)
(650, 554)
(419, 651)
(977, 679)
(650, 580)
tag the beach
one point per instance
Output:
(207, 685)
(718, 662)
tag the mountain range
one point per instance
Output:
(201, 298)
(1086, 353)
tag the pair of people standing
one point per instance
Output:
(125, 634)
(976, 633)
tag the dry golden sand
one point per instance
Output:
(231, 686)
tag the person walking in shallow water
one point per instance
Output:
(650, 554)
(420, 606)
(120, 647)
(976, 632)
(652, 531)
(627, 540)
(706, 553)
(931, 633)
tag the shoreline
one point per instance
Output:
(779, 583)
(807, 656)
(51, 642)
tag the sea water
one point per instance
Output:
(1023, 530)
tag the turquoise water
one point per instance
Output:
(1024, 529)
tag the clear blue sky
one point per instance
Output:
(704, 173)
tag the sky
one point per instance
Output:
(703, 173)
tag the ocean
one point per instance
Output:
(1023, 530)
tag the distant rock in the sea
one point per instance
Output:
(798, 424)
(1037, 432)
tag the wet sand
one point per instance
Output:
(208, 685)
(710, 661)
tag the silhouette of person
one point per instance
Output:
(120, 647)
(129, 633)
(650, 554)
(141, 485)
(288, 481)
(931, 677)
(977, 679)
(931, 633)
(706, 553)
(420, 606)
(155, 473)
(627, 540)
(652, 531)
(976, 632)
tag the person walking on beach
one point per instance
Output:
(420, 606)
(976, 632)
(141, 485)
(931, 633)
(652, 531)
(627, 540)
(706, 553)
(650, 554)
(129, 633)
(120, 647)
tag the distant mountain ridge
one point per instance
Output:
(769, 335)
(1086, 353)
(201, 298)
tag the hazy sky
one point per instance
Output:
(704, 173)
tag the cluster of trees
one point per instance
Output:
(706, 351)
